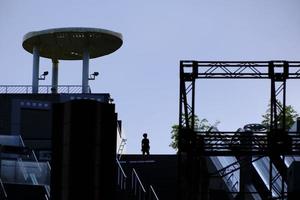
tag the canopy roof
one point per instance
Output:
(69, 43)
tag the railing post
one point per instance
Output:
(139, 191)
(121, 176)
(135, 189)
(3, 189)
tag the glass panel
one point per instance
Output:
(25, 172)
(12, 140)
(262, 166)
(231, 180)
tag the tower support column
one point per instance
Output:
(54, 76)
(85, 71)
(35, 70)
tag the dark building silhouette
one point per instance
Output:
(60, 137)
(84, 150)
(65, 142)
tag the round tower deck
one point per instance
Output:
(70, 43)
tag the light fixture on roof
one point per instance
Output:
(43, 76)
(93, 75)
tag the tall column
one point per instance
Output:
(54, 75)
(85, 71)
(35, 70)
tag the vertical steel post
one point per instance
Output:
(273, 123)
(179, 159)
(35, 70)
(54, 76)
(277, 137)
(85, 71)
(181, 88)
(194, 75)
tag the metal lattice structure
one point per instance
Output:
(274, 143)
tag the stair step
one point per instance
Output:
(160, 171)
(24, 192)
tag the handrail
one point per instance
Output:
(232, 181)
(138, 178)
(32, 152)
(22, 142)
(121, 147)
(36, 160)
(3, 189)
(137, 189)
(122, 178)
(47, 187)
(236, 182)
(33, 179)
(32, 176)
(152, 194)
(49, 166)
(24, 172)
(44, 89)
(232, 167)
(46, 197)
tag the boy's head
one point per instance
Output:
(145, 135)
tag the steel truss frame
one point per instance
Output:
(275, 142)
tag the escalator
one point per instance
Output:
(255, 188)
(262, 165)
(259, 168)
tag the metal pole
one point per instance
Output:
(35, 70)
(273, 124)
(54, 75)
(179, 158)
(85, 71)
(195, 72)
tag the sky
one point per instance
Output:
(143, 75)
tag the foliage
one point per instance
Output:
(290, 116)
(200, 125)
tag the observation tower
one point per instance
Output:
(76, 43)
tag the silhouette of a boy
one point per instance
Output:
(145, 145)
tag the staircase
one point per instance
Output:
(150, 177)
(25, 192)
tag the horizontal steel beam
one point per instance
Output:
(245, 143)
(238, 69)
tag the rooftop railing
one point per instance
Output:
(137, 186)
(122, 178)
(3, 193)
(152, 193)
(43, 89)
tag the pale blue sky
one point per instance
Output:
(142, 76)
